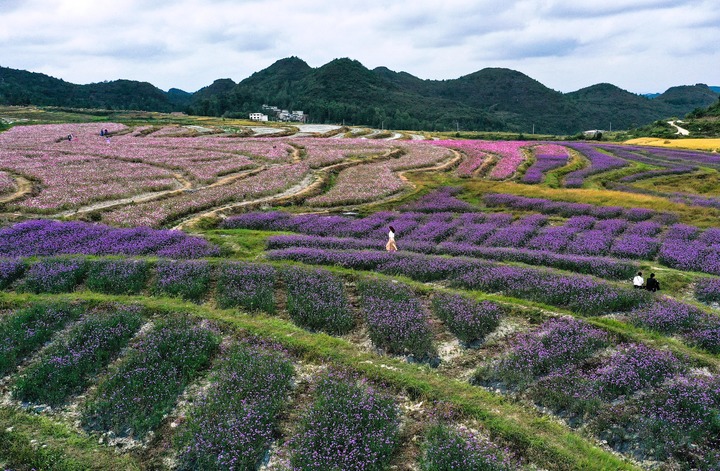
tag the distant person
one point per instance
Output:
(102, 132)
(391, 246)
(652, 283)
(69, 137)
(106, 132)
(638, 281)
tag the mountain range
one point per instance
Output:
(343, 90)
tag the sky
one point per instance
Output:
(642, 46)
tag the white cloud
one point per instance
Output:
(639, 45)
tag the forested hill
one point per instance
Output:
(19, 87)
(343, 90)
(491, 99)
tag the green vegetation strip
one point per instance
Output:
(542, 440)
(55, 447)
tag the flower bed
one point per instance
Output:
(246, 285)
(395, 319)
(159, 212)
(316, 300)
(26, 330)
(117, 276)
(547, 157)
(136, 395)
(556, 344)
(349, 426)
(48, 237)
(441, 200)
(446, 449)
(509, 153)
(579, 293)
(599, 162)
(187, 279)
(54, 275)
(69, 364)
(707, 290)
(10, 270)
(468, 320)
(232, 425)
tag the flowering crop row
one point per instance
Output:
(68, 365)
(349, 425)
(117, 276)
(708, 290)
(246, 285)
(441, 200)
(556, 344)
(135, 396)
(47, 237)
(324, 152)
(316, 300)
(70, 181)
(509, 152)
(599, 162)
(581, 293)
(565, 209)
(671, 317)
(369, 182)
(10, 270)
(54, 275)
(26, 330)
(187, 279)
(232, 425)
(395, 318)
(159, 212)
(469, 320)
(547, 157)
(447, 448)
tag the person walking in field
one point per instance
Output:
(638, 281)
(652, 283)
(391, 246)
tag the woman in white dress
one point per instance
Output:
(390, 246)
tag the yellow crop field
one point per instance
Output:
(698, 144)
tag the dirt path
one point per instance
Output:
(24, 187)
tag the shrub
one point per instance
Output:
(707, 290)
(68, 365)
(469, 320)
(447, 449)
(117, 276)
(349, 426)
(144, 386)
(395, 319)
(557, 344)
(316, 300)
(231, 426)
(246, 285)
(10, 270)
(54, 275)
(189, 279)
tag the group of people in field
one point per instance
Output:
(652, 283)
(638, 282)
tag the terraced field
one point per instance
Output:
(276, 332)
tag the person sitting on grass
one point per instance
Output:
(652, 283)
(638, 281)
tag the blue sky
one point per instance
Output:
(640, 45)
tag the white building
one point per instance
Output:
(258, 117)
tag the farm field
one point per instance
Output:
(183, 295)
